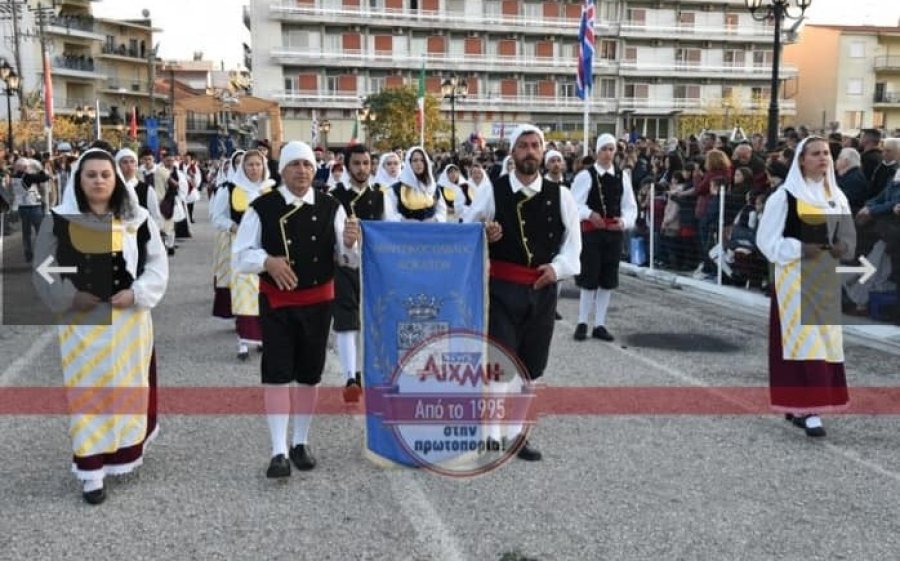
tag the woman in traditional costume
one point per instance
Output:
(807, 220)
(220, 216)
(105, 331)
(388, 171)
(416, 197)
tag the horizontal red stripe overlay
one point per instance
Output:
(546, 400)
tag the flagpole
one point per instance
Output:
(587, 111)
(421, 102)
(97, 122)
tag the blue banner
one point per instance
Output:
(151, 125)
(419, 280)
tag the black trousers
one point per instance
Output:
(295, 340)
(601, 251)
(522, 320)
(346, 299)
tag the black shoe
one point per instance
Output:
(170, 251)
(580, 332)
(259, 348)
(558, 316)
(796, 420)
(279, 467)
(243, 355)
(352, 391)
(601, 333)
(814, 432)
(529, 453)
(302, 458)
(95, 497)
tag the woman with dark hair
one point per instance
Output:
(105, 329)
(416, 197)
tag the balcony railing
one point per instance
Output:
(703, 68)
(888, 97)
(75, 62)
(69, 104)
(664, 104)
(432, 60)
(78, 23)
(364, 15)
(721, 33)
(124, 51)
(887, 62)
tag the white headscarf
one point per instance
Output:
(382, 177)
(485, 180)
(444, 179)
(133, 216)
(813, 193)
(243, 182)
(505, 165)
(408, 177)
(237, 160)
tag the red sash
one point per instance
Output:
(295, 298)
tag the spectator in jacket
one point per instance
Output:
(851, 179)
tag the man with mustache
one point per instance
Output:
(534, 241)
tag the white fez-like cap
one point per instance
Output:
(522, 129)
(603, 140)
(552, 154)
(295, 150)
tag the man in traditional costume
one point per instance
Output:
(606, 207)
(534, 241)
(292, 237)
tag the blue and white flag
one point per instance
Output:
(584, 79)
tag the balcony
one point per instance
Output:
(887, 99)
(726, 71)
(664, 105)
(76, 66)
(887, 63)
(321, 99)
(123, 53)
(641, 30)
(450, 21)
(445, 62)
(66, 106)
(80, 27)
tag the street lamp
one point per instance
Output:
(777, 10)
(325, 128)
(85, 114)
(453, 88)
(367, 116)
(11, 79)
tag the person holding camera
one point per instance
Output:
(607, 207)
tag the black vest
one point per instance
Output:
(365, 205)
(100, 274)
(304, 235)
(421, 214)
(605, 196)
(540, 218)
(796, 228)
(141, 191)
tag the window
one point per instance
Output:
(534, 11)
(419, 45)
(637, 91)
(759, 95)
(630, 54)
(110, 43)
(686, 19)
(854, 86)
(457, 46)
(332, 43)
(608, 88)
(878, 119)
(733, 59)
(687, 57)
(731, 23)
(852, 120)
(290, 84)
(376, 84)
(376, 4)
(492, 8)
(762, 58)
(607, 49)
(332, 84)
(687, 92)
(456, 7)
(637, 16)
(413, 4)
(567, 89)
(728, 92)
(401, 44)
(530, 88)
(857, 49)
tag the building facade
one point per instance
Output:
(850, 77)
(654, 61)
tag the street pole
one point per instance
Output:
(13, 6)
(10, 141)
(772, 142)
(453, 125)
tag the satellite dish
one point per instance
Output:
(145, 12)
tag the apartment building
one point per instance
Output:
(849, 77)
(655, 61)
(91, 59)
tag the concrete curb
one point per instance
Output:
(880, 336)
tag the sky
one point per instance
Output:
(216, 27)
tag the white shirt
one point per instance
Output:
(152, 200)
(581, 188)
(567, 262)
(247, 253)
(220, 215)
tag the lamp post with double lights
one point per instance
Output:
(367, 117)
(454, 88)
(86, 114)
(11, 79)
(324, 129)
(776, 10)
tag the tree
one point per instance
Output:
(395, 119)
(724, 115)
